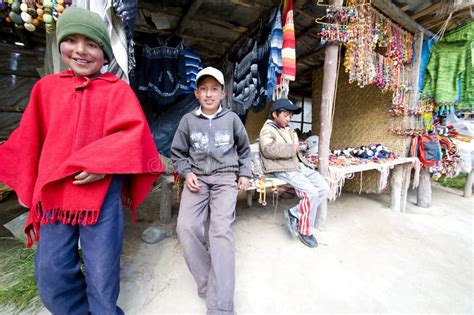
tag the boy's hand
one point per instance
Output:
(243, 183)
(297, 147)
(87, 178)
(192, 182)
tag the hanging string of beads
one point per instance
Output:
(33, 14)
(379, 52)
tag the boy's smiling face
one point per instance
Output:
(82, 55)
(209, 93)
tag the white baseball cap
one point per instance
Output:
(213, 72)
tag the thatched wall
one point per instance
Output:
(361, 115)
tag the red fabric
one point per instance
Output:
(70, 125)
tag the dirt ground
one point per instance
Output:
(369, 260)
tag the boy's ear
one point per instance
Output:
(274, 115)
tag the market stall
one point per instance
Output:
(267, 49)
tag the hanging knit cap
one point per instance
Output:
(86, 23)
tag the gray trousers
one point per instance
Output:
(312, 189)
(213, 269)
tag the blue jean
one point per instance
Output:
(63, 287)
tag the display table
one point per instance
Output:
(400, 168)
(401, 173)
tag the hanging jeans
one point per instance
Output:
(63, 287)
(312, 189)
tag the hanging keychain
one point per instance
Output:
(260, 184)
(177, 182)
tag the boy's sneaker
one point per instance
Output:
(308, 240)
(292, 223)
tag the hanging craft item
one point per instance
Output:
(288, 51)
(373, 153)
(262, 192)
(178, 182)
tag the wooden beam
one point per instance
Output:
(230, 26)
(251, 5)
(308, 71)
(295, 92)
(307, 31)
(188, 15)
(310, 54)
(306, 15)
(22, 33)
(203, 40)
(298, 4)
(302, 41)
(441, 20)
(12, 109)
(18, 49)
(415, 74)
(426, 11)
(405, 7)
(20, 73)
(400, 17)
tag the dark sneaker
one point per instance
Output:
(292, 223)
(308, 240)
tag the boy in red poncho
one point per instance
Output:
(83, 146)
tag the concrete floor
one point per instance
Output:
(370, 260)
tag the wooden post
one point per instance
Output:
(415, 93)
(424, 189)
(188, 16)
(396, 188)
(250, 196)
(468, 186)
(327, 99)
(406, 170)
(302, 114)
(166, 198)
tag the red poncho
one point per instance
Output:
(70, 125)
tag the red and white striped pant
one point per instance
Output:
(312, 189)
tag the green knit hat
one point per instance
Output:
(86, 23)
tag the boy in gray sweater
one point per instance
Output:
(209, 149)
